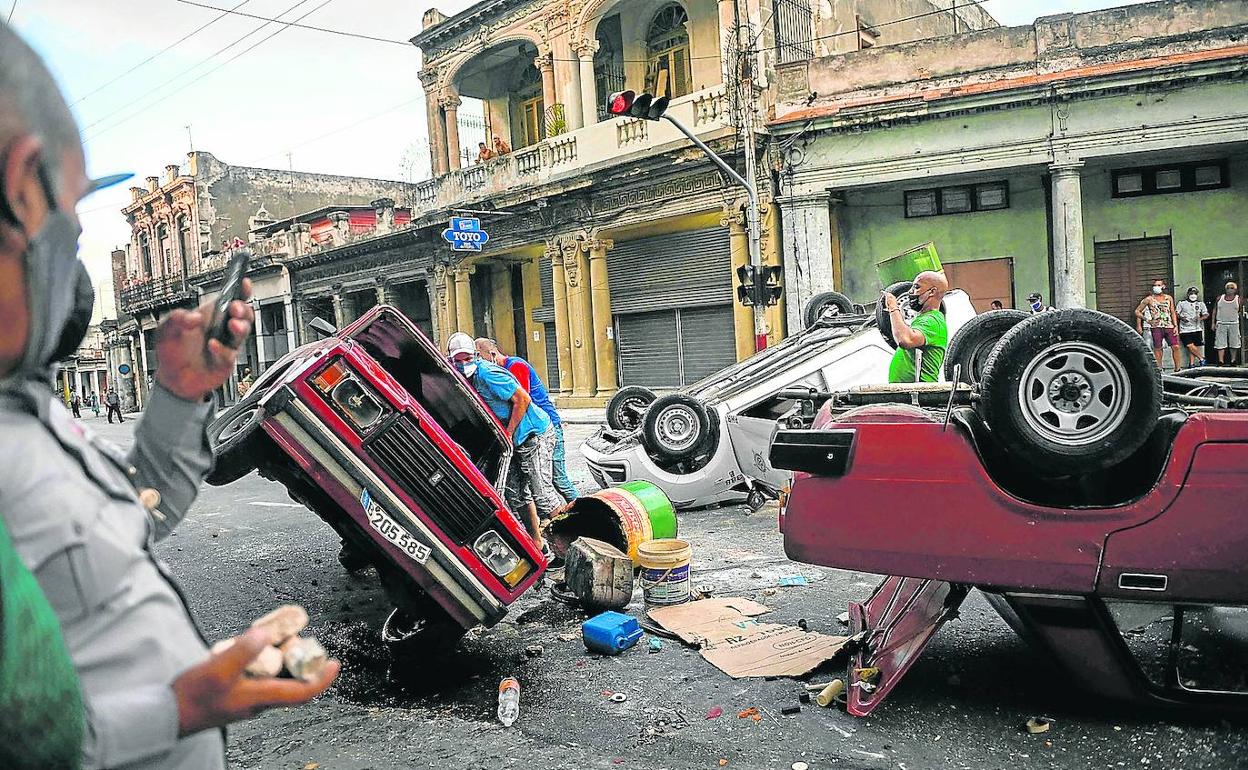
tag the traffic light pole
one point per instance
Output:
(752, 225)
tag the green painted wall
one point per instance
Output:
(1205, 225)
(873, 227)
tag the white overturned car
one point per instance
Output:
(708, 443)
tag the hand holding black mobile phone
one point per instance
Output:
(231, 289)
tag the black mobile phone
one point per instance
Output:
(231, 289)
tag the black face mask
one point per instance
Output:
(75, 329)
(915, 299)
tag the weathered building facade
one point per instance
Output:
(179, 223)
(1081, 156)
(613, 243)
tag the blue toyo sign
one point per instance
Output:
(465, 234)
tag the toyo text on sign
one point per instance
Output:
(465, 234)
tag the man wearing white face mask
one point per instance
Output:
(531, 476)
(151, 693)
(1163, 319)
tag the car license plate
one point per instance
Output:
(390, 529)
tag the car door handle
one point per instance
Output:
(1139, 581)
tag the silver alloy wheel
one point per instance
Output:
(677, 428)
(1074, 393)
(236, 425)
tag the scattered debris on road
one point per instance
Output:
(610, 633)
(1037, 725)
(715, 713)
(598, 574)
(731, 639)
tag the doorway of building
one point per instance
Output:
(412, 300)
(1125, 271)
(1214, 273)
(984, 280)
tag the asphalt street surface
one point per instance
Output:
(247, 547)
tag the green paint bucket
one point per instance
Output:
(624, 516)
(906, 265)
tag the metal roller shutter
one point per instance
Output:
(648, 350)
(661, 272)
(545, 278)
(1125, 271)
(707, 342)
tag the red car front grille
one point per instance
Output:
(416, 464)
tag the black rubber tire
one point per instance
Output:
(1106, 441)
(411, 637)
(677, 410)
(825, 302)
(627, 406)
(974, 342)
(235, 455)
(882, 320)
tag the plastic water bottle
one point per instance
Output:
(508, 701)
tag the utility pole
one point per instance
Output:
(745, 63)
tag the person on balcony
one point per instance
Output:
(501, 148)
(484, 153)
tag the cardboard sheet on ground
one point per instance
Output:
(734, 641)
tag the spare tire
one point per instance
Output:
(233, 437)
(831, 302)
(626, 408)
(1070, 391)
(677, 427)
(881, 313)
(971, 346)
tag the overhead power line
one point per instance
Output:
(12, 8)
(203, 75)
(341, 129)
(164, 50)
(328, 30)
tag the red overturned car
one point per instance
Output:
(372, 429)
(1097, 504)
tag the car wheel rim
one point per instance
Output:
(677, 427)
(1074, 393)
(236, 426)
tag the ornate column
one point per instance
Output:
(808, 256)
(580, 318)
(450, 107)
(382, 285)
(1070, 287)
(340, 306)
(739, 249)
(442, 291)
(437, 139)
(600, 311)
(589, 90)
(342, 226)
(563, 332)
(463, 299)
(546, 64)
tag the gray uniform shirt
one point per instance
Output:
(69, 501)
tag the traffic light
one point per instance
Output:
(746, 290)
(633, 105)
(759, 285)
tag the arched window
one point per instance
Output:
(667, 52)
(145, 252)
(166, 248)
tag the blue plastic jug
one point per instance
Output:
(610, 633)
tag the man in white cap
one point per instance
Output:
(530, 479)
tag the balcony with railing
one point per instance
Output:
(152, 294)
(568, 155)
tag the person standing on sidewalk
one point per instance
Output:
(1226, 338)
(1192, 315)
(113, 405)
(75, 404)
(528, 378)
(529, 479)
(1158, 309)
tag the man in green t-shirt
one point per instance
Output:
(927, 333)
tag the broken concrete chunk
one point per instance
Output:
(598, 574)
(267, 664)
(282, 623)
(305, 658)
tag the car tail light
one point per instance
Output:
(501, 559)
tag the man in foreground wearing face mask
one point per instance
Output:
(150, 691)
(926, 336)
(531, 476)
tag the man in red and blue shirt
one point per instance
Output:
(529, 380)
